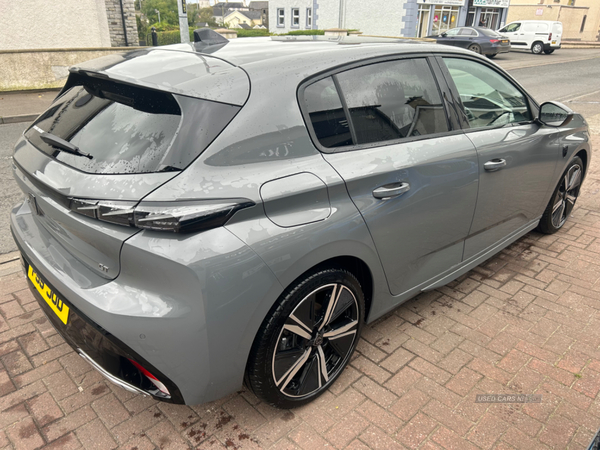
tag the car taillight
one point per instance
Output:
(177, 217)
(155, 381)
(494, 41)
(550, 37)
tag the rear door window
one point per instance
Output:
(378, 102)
(393, 100)
(124, 129)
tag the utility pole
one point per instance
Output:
(184, 30)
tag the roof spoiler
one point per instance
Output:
(209, 37)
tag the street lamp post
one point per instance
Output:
(157, 12)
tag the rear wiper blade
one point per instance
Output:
(63, 145)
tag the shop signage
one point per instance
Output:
(443, 2)
(492, 3)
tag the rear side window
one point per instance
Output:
(381, 102)
(125, 129)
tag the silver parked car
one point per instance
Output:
(205, 214)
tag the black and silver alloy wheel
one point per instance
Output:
(316, 339)
(566, 196)
(563, 199)
(307, 339)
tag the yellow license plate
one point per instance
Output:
(553, 42)
(505, 42)
(53, 300)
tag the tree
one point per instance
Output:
(168, 12)
(206, 15)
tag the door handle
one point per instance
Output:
(391, 190)
(494, 164)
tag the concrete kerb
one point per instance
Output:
(18, 118)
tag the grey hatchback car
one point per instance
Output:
(202, 215)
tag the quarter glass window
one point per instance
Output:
(326, 114)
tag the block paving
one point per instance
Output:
(526, 321)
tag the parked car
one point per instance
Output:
(477, 39)
(535, 35)
(202, 214)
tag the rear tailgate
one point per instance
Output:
(138, 136)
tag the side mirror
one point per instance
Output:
(554, 114)
(444, 34)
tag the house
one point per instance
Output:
(221, 9)
(237, 17)
(263, 7)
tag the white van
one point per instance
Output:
(535, 35)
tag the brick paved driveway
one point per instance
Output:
(526, 321)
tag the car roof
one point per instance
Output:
(191, 68)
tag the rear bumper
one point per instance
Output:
(185, 308)
(548, 46)
(103, 351)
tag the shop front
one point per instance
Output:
(437, 16)
(487, 13)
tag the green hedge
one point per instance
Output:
(251, 33)
(173, 37)
(307, 33)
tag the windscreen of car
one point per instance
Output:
(511, 28)
(126, 129)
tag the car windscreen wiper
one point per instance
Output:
(63, 145)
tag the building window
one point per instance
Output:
(295, 18)
(489, 18)
(280, 17)
(444, 19)
(309, 18)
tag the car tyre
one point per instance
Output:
(549, 51)
(307, 338)
(475, 48)
(563, 198)
(492, 56)
(537, 48)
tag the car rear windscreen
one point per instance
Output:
(126, 129)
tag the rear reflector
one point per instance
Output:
(155, 381)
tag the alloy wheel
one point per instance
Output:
(475, 48)
(566, 195)
(316, 340)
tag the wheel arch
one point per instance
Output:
(583, 154)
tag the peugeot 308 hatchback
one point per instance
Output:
(205, 214)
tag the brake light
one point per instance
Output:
(550, 37)
(155, 381)
(494, 41)
(177, 217)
